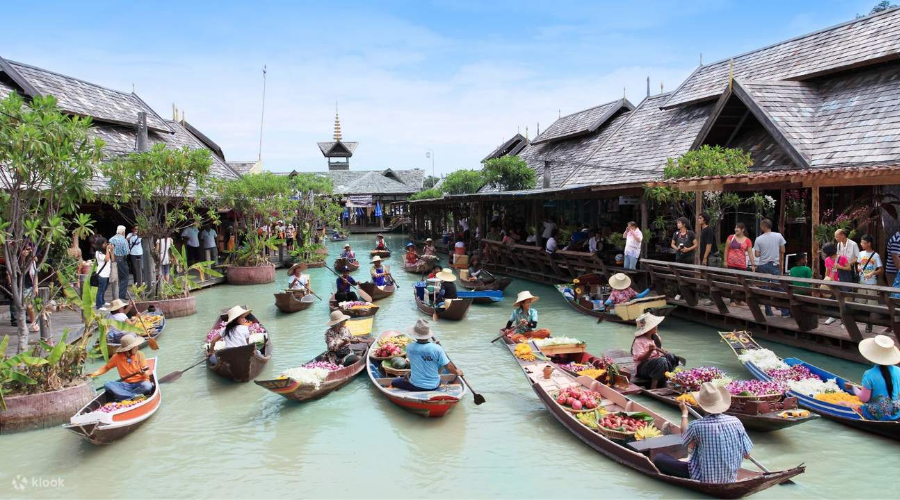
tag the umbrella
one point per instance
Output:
(378, 209)
(346, 214)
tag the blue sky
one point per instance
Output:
(457, 77)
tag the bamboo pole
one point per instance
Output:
(698, 208)
(813, 224)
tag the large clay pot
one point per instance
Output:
(172, 308)
(47, 409)
(257, 275)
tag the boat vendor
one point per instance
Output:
(117, 313)
(236, 334)
(448, 287)
(620, 283)
(412, 257)
(430, 249)
(348, 254)
(338, 339)
(434, 271)
(650, 360)
(131, 364)
(717, 443)
(344, 291)
(379, 242)
(426, 360)
(524, 318)
(475, 269)
(380, 275)
(880, 391)
(298, 280)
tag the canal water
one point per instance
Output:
(214, 438)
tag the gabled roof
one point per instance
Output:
(337, 148)
(243, 167)
(510, 147)
(82, 98)
(864, 41)
(387, 181)
(215, 148)
(581, 123)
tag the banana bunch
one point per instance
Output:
(646, 432)
(523, 352)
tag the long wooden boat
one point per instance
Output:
(297, 391)
(486, 284)
(377, 292)
(104, 428)
(384, 254)
(340, 263)
(240, 364)
(157, 331)
(741, 342)
(431, 404)
(761, 422)
(420, 267)
(456, 312)
(293, 301)
(587, 308)
(372, 310)
(481, 296)
(638, 455)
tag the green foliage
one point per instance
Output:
(616, 240)
(427, 194)
(309, 253)
(315, 204)
(463, 182)
(430, 181)
(508, 173)
(708, 161)
(182, 284)
(882, 6)
(252, 253)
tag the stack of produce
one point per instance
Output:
(628, 423)
(399, 340)
(798, 372)
(579, 398)
(764, 359)
(691, 379)
(800, 380)
(149, 321)
(758, 388)
(840, 398)
(590, 419)
(688, 398)
(524, 352)
(593, 373)
(556, 341)
(388, 351)
(120, 405)
(356, 304)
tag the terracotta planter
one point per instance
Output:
(172, 308)
(47, 409)
(258, 275)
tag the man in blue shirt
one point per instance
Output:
(120, 252)
(426, 359)
(344, 291)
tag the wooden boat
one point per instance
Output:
(741, 342)
(760, 422)
(638, 455)
(353, 313)
(627, 315)
(157, 331)
(432, 404)
(297, 391)
(240, 364)
(104, 428)
(339, 238)
(377, 292)
(420, 267)
(486, 284)
(340, 263)
(293, 301)
(381, 253)
(456, 312)
(482, 296)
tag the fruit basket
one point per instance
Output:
(623, 426)
(576, 399)
(389, 369)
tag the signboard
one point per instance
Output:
(629, 200)
(362, 200)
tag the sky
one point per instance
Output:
(453, 77)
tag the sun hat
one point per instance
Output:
(379, 235)
(236, 312)
(376, 258)
(409, 245)
(713, 399)
(337, 317)
(293, 268)
(525, 295)
(421, 330)
(880, 350)
(446, 275)
(347, 245)
(619, 281)
(129, 341)
(429, 240)
(116, 305)
(646, 322)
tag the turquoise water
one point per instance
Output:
(214, 438)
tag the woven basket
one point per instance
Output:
(570, 409)
(767, 397)
(390, 370)
(613, 434)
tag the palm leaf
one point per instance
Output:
(58, 350)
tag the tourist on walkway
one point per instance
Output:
(549, 226)
(848, 248)
(344, 283)
(717, 443)
(164, 251)
(208, 240)
(739, 252)
(892, 258)
(801, 270)
(833, 262)
(426, 360)
(117, 313)
(551, 246)
(869, 269)
(650, 359)
(131, 364)
(594, 244)
(190, 236)
(338, 339)
(684, 242)
(120, 252)
(769, 250)
(709, 250)
(136, 255)
(633, 239)
(103, 256)
(880, 389)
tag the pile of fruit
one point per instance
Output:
(623, 422)
(589, 419)
(388, 351)
(593, 373)
(524, 352)
(690, 380)
(646, 432)
(840, 398)
(399, 340)
(578, 398)
(150, 322)
(556, 341)
(688, 398)
(115, 406)
(751, 388)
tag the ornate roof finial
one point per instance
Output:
(337, 123)
(526, 132)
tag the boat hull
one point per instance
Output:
(295, 391)
(241, 364)
(456, 312)
(375, 292)
(495, 284)
(288, 302)
(340, 263)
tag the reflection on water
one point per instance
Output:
(213, 438)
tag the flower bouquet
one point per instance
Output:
(690, 380)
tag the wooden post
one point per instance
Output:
(645, 225)
(814, 211)
(698, 208)
(781, 219)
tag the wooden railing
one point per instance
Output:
(847, 301)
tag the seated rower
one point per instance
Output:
(236, 334)
(380, 276)
(412, 257)
(426, 360)
(338, 339)
(132, 367)
(348, 254)
(620, 283)
(345, 291)
(718, 443)
(117, 313)
(298, 280)
(430, 249)
(475, 269)
(524, 319)
(434, 271)
(880, 389)
(651, 361)
(379, 243)
(448, 287)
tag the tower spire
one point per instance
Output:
(337, 123)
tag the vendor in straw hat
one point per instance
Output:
(426, 360)
(650, 359)
(380, 275)
(620, 283)
(117, 313)
(524, 318)
(348, 254)
(448, 286)
(379, 242)
(132, 367)
(296, 279)
(338, 339)
(880, 389)
(237, 330)
(412, 257)
(429, 249)
(718, 443)
(345, 284)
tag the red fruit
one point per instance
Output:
(561, 399)
(570, 401)
(576, 405)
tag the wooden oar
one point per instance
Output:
(150, 340)
(479, 399)
(761, 466)
(177, 374)
(308, 289)
(502, 334)
(362, 294)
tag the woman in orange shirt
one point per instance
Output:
(132, 367)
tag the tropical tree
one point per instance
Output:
(47, 159)
(315, 205)
(463, 182)
(430, 181)
(508, 173)
(427, 194)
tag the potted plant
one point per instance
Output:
(174, 298)
(795, 206)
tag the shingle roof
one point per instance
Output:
(325, 147)
(510, 147)
(182, 137)
(83, 98)
(581, 123)
(242, 167)
(866, 40)
(386, 181)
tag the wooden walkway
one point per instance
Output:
(59, 322)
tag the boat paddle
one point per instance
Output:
(479, 399)
(177, 374)
(150, 340)
(308, 289)
(502, 333)
(750, 457)
(362, 294)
